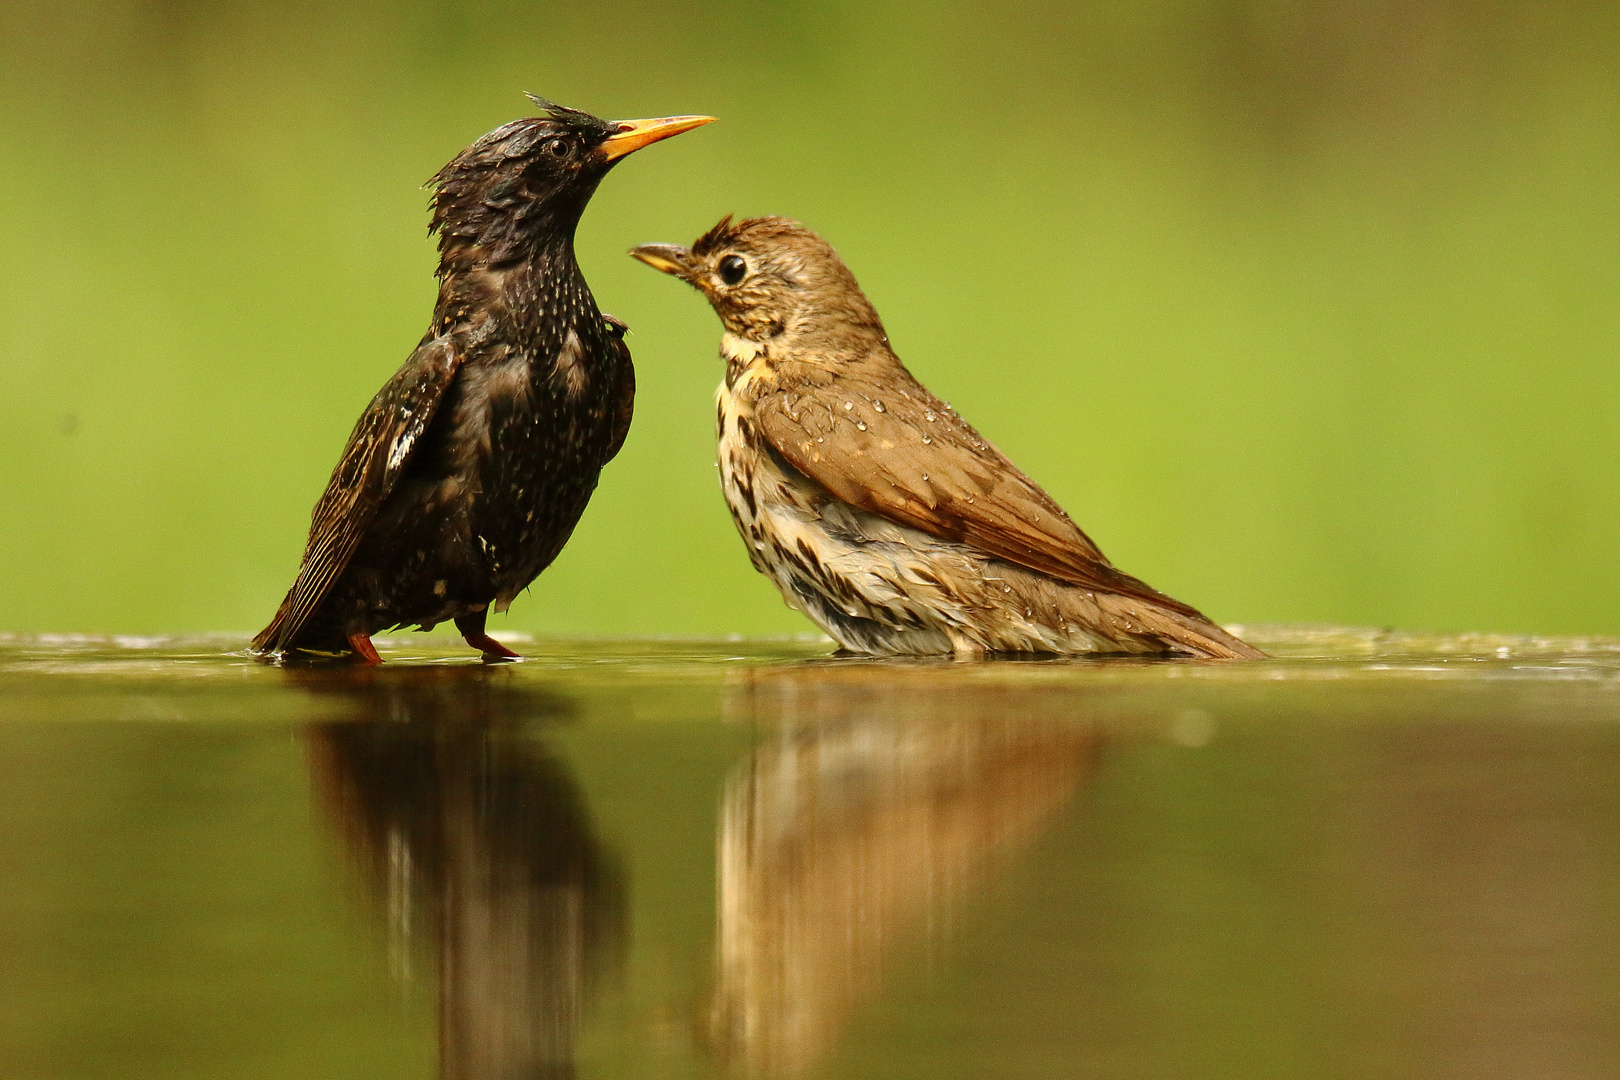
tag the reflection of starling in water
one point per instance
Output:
(876, 510)
(468, 471)
(478, 840)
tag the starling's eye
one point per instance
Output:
(558, 148)
(732, 269)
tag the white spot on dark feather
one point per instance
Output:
(570, 364)
(402, 446)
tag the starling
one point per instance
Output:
(877, 510)
(468, 471)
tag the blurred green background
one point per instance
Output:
(1305, 311)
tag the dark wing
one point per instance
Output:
(898, 451)
(373, 461)
(626, 404)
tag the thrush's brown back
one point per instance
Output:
(878, 439)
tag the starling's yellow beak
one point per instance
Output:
(631, 135)
(670, 258)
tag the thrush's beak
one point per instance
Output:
(631, 135)
(670, 258)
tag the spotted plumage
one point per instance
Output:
(877, 510)
(468, 471)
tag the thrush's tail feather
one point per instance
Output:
(1186, 630)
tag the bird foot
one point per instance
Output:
(364, 649)
(490, 647)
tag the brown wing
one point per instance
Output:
(376, 456)
(626, 404)
(895, 449)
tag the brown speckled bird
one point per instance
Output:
(879, 512)
(468, 471)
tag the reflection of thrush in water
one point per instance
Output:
(880, 801)
(477, 840)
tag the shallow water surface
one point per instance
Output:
(1376, 855)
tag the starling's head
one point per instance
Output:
(530, 180)
(766, 276)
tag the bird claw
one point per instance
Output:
(364, 649)
(492, 649)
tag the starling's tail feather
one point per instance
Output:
(315, 636)
(268, 640)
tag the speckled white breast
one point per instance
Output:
(745, 473)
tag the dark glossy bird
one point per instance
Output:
(877, 510)
(469, 469)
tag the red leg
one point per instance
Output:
(472, 628)
(364, 649)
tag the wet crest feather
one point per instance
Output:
(496, 200)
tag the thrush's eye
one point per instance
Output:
(557, 148)
(732, 269)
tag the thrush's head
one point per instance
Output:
(525, 184)
(769, 276)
